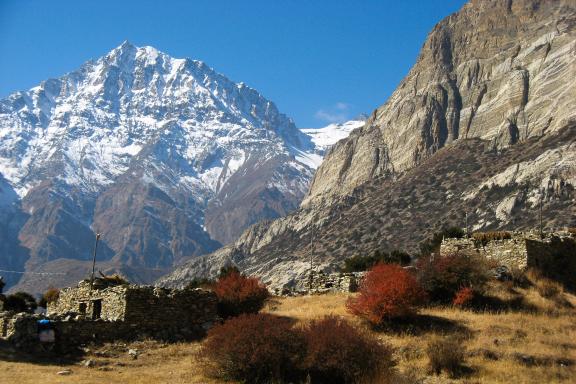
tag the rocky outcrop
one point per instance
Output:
(496, 70)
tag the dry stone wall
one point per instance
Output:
(554, 254)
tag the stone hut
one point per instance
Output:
(111, 309)
(146, 306)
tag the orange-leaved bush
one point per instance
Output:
(463, 297)
(239, 294)
(254, 348)
(336, 352)
(387, 291)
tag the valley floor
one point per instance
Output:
(536, 345)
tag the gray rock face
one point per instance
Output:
(484, 124)
(497, 70)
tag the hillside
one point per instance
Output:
(518, 346)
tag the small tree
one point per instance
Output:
(239, 294)
(387, 291)
(20, 302)
(50, 296)
(433, 243)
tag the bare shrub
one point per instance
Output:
(339, 353)
(446, 354)
(254, 348)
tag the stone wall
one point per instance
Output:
(511, 253)
(555, 257)
(148, 307)
(554, 254)
(128, 312)
(335, 282)
(161, 307)
(112, 299)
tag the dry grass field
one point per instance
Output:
(535, 343)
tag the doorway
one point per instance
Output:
(96, 309)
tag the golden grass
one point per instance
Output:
(493, 341)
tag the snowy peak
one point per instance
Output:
(326, 137)
(165, 157)
(94, 121)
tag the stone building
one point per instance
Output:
(110, 310)
(554, 254)
(144, 305)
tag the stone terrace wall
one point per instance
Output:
(554, 255)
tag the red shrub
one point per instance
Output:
(387, 291)
(339, 353)
(463, 297)
(239, 294)
(254, 348)
(442, 277)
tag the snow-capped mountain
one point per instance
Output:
(326, 137)
(164, 157)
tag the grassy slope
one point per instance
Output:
(548, 331)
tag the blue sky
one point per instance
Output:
(319, 61)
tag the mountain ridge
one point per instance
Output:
(148, 151)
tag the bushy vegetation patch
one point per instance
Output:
(432, 245)
(387, 291)
(483, 238)
(446, 354)
(238, 294)
(364, 263)
(443, 277)
(336, 352)
(262, 348)
(464, 297)
(254, 348)
(50, 296)
(20, 302)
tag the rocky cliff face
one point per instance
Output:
(497, 70)
(484, 124)
(164, 157)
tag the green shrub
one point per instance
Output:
(364, 263)
(432, 245)
(20, 302)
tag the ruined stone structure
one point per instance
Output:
(108, 311)
(326, 282)
(147, 306)
(554, 254)
(336, 282)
